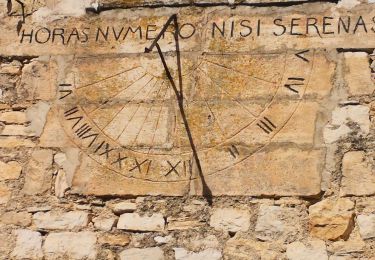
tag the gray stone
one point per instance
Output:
(154, 253)
(366, 225)
(28, 245)
(61, 221)
(210, 253)
(69, 245)
(135, 222)
(315, 249)
(229, 219)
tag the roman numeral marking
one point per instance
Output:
(71, 111)
(266, 125)
(294, 82)
(78, 118)
(119, 160)
(233, 151)
(172, 168)
(300, 55)
(65, 92)
(82, 130)
(138, 165)
(106, 151)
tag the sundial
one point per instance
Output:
(169, 116)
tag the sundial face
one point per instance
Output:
(175, 116)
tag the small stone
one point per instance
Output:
(60, 221)
(273, 222)
(69, 245)
(37, 115)
(353, 245)
(114, 239)
(210, 253)
(358, 174)
(366, 225)
(16, 218)
(163, 240)
(28, 245)
(39, 209)
(244, 249)
(154, 253)
(83, 207)
(135, 222)
(61, 184)
(15, 130)
(341, 116)
(315, 249)
(12, 142)
(331, 219)
(10, 171)
(13, 68)
(232, 220)
(13, 117)
(124, 207)
(104, 223)
(5, 194)
(183, 223)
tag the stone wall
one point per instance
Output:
(296, 182)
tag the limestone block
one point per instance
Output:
(16, 218)
(315, 249)
(104, 223)
(183, 223)
(5, 194)
(81, 245)
(61, 184)
(38, 172)
(135, 222)
(39, 209)
(53, 134)
(358, 174)
(155, 253)
(341, 116)
(61, 221)
(343, 248)
(10, 170)
(13, 117)
(12, 68)
(366, 225)
(210, 253)
(15, 130)
(161, 240)
(244, 249)
(124, 207)
(28, 245)
(273, 222)
(119, 239)
(10, 142)
(230, 219)
(331, 219)
(358, 73)
(37, 115)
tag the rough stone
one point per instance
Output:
(13, 117)
(244, 249)
(155, 253)
(273, 222)
(81, 245)
(358, 73)
(358, 174)
(38, 172)
(210, 253)
(341, 117)
(124, 207)
(104, 223)
(229, 219)
(37, 115)
(12, 142)
(315, 249)
(366, 225)
(61, 221)
(331, 219)
(16, 218)
(10, 171)
(163, 240)
(5, 193)
(114, 239)
(135, 222)
(183, 223)
(28, 245)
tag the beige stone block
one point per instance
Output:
(366, 225)
(142, 253)
(15, 130)
(81, 245)
(10, 171)
(230, 219)
(119, 239)
(16, 218)
(104, 223)
(135, 222)
(272, 171)
(38, 172)
(28, 245)
(5, 194)
(314, 249)
(10, 142)
(210, 253)
(331, 219)
(37, 114)
(124, 207)
(61, 221)
(358, 176)
(183, 223)
(244, 249)
(13, 68)
(13, 117)
(358, 73)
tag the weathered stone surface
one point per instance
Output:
(61, 221)
(10, 142)
(104, 223)
(10, 170)
(15, 130)
(38, 172)
(13, 117)
(80, 245)
(114, 239)
(142, 253)
(344, 248)
(341, 117)
(272, 222)
(135, 222)
(183, 223)
(28, 245)
(39, 209)
(12, 68)
(358, 73)
(358, 174)
(244, 249)
(5, 193)
(230, 219)
(210, 253)
(37, 115)
(314, 249)
(331, 219)
(16, 218)
(124, 207)
(366, 225)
